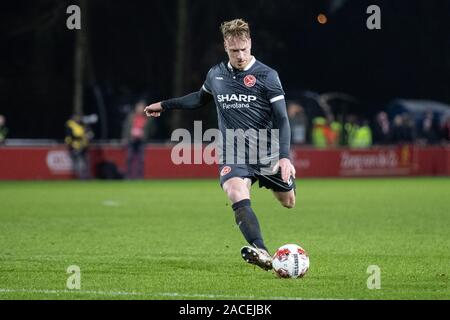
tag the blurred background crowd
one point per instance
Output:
(401, 122)
(346, 85)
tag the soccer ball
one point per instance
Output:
(290, 261)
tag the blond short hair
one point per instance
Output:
(235, 28)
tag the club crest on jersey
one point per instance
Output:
(225, 170)
(249, 80)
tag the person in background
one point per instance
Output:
(445, 130)
(326, 132)
(363, 136)
(350, 128)
(318, 133)
(3, 129)
(403, 129)
(134, 135)
(429, 128)
(333, 131)
(77, 140)
(298, 122)
(382, 131)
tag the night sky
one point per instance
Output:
(132, 50)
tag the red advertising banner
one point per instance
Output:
(386, 161)
(35, 163)
(54, 162)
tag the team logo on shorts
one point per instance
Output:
(249, 80)
(225, 170)
(290, 181)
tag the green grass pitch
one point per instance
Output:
(178, 240)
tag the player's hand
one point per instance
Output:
(287, 169)
(153, 110)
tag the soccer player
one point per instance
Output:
(248, 96)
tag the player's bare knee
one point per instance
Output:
(288, 202)
(236, 192)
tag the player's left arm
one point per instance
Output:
(282, 124)
(275, 94)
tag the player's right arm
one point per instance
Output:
(191, 101)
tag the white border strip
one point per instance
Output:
(276, 98)
(158, 294)
(204, 89)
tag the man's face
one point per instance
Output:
(238, 51)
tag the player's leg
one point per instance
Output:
(285, 192)
(287, 199)
(237, 186)
(238, 191)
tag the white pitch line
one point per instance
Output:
(161, 294)
(111, 203)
